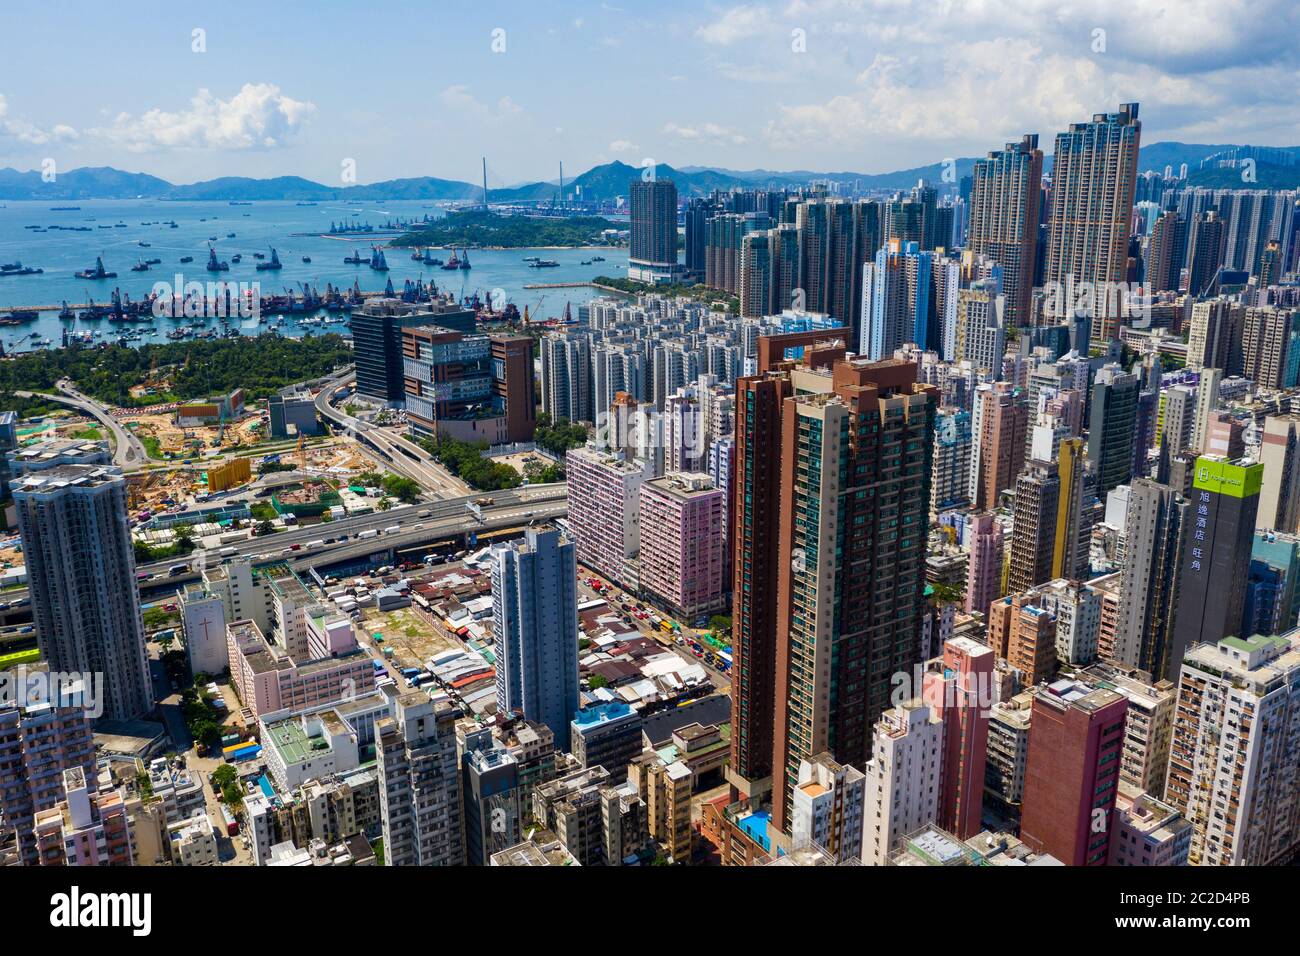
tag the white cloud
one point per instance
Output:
(623, 146)
(738, 23)
(17, 128)
(707, 133)
(458, 97)
(259, 116)
(968, 74)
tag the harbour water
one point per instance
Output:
(293, 230)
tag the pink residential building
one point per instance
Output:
(268, 679)
(604, 509)
(984, 567)
(88, 828)
(958, 687)
(683, 544)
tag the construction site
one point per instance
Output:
(158, 489)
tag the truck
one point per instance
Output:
(228, 551)
(176, 569)
(228, 819)
(393, 529)
(369, 533)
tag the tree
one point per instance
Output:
(264, 528)
(385, 503)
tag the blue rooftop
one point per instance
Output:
(601, 713)
(755, 825)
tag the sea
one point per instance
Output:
(293, 230)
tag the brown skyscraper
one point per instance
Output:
(1005, 191)
(850, 573)
(1094, 176)
(1076, 740)
(998, 428)
(755, 511)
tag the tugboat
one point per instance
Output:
(273, 264)
(377, 260)
(452, 263)
(96, 273)
(140, 267)
(215, 264)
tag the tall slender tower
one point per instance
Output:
(754, 514)
(1094, 176)
(1216, 555)
(1005, 190)
(855, 488)
(535, 614)
(81, 565)
(958, 689)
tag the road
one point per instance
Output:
(397, 452)
(128, 452)
(509, 506)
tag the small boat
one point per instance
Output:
(237, 257)
(140, 267)
(306, 258)
(142, 244)
(187, 258)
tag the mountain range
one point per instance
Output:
(599, 184)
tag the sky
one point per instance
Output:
(375, 91)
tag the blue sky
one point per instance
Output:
(417, 88)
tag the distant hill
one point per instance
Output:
(599, 184)
(101, 182)
(1267, 176)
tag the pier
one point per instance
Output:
(553, 285)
